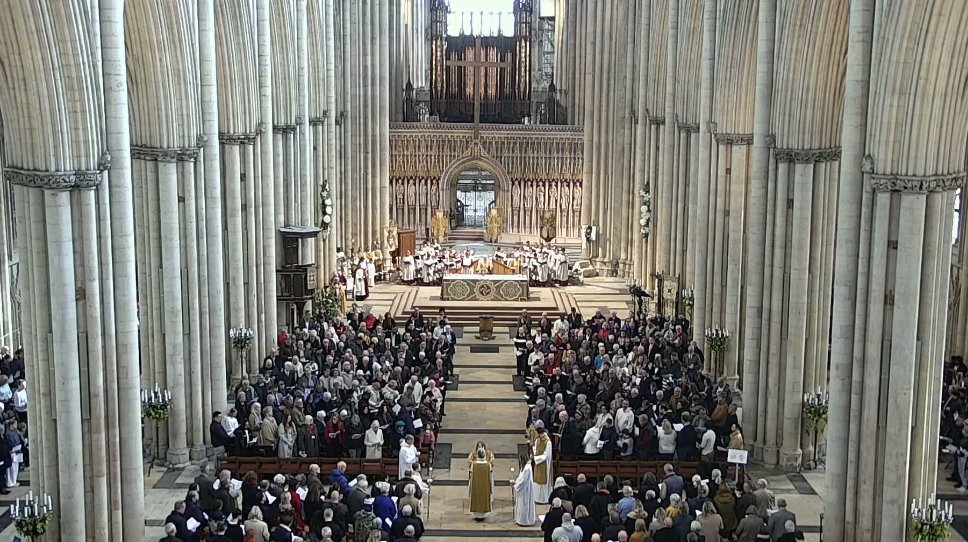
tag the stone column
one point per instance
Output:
(847, 299)
(91, 325)
(332, 158)
(269, 180)
(667, 215)
(66, 385)
(233, 226)
(249, 180)
(700, 227)
(192, 351)
(202, 284)
(306, 192)
(756, 231)
(797, 331)
(172, 292)
(770, 442)
(130, 474)
(213, 202)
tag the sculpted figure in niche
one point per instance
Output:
(412, 193)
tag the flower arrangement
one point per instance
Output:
(645, 210)
(156, 404)
(688, 298)
(931, 523)
(241, 338)
(32, 517)
(717, 339)
(328, 301)
(815, 414)
(325, 208)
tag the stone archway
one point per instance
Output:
(474, 158)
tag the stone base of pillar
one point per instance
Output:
(178, 458)
(197, 453)
(756, 452)
(790, 459)
(770, 456)
(732, 380)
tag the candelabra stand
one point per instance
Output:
(718, 341)
(815, 414)
(155, 406)
(430, 481)
(931, 521)
(688, 301)
(32, 516)
(639, 295)
(241, 341)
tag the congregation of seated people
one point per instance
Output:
(671, 508)
(307, 507)
(341, 386)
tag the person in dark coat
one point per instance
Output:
(406, 518)
(307, 443)
(583, 491)
(686, 441)
(206, 489)
(219, 436)
(178, 519)
(598, 508)
(552, 519)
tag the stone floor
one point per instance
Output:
(485, 406)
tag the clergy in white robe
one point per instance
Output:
(408, 456)
(562, 268)
(408, 269)
(543, 269)
(467, 264)
(359, 284)
(370, 272)
(427, 269)
(543, 475)
(524, 514)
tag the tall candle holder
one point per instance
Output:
(31, 516)
(718, 341)
(931, 521)
(688, 300)
(156, 406)
(241, 342)
(815, 414)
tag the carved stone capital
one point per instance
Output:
(734, 139)
(260, 128)
(300, 119)
(202, 140)
(185, 154)
(317, 121)
(771, 140)
(237, 139)
(917, 184)
(808, 156)
(867, 164)
(657, 121)
(284, 129)
(688, 127)
(54, 180)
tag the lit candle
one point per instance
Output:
(49, 505)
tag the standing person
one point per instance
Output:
(543, 476)
(287, 437)
(373, 440)
(408, 456)
(524, 512)
(711, 521)
(480, 484)
(16, 443)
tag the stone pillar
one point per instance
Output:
(213, 202)
(332, 158)
(193, 353)
(666, 215)
(756, 231)
(233, 226)
(777, 309)
(64, 350)
(249, 179)
(203, 334)
(128, 507)
(269, 181)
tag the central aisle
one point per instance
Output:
(483, 406)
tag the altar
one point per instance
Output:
(455, 287)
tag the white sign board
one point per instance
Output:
(737, 456)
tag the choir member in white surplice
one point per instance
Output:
(408, 268)
(543, 269)
(426, 269)
(408, 456)
(359, 284)
(562, 266)
(524, 514)
(370, 272)
(467, 264)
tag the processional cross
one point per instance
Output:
(477, 65)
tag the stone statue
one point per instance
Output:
(547, 221)
(390, 239)
(495, 225)
(438, 226)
